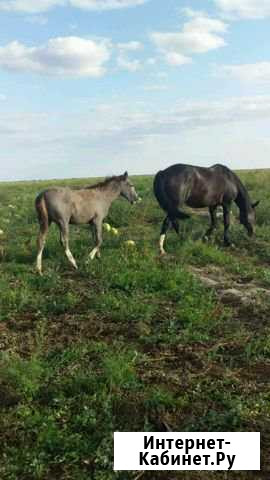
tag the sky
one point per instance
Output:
(96, 87)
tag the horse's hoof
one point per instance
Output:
(163, 253)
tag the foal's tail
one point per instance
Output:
(164, 199)
(42, 212)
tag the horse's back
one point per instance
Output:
(177, 169)
(220, 169)
(58, 201)
(56, 192)
(174, 178)
(196, 186)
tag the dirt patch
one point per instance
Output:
(236, 293)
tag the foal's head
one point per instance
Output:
(248, 219)
(127, 189)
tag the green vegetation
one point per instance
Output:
(131, 342)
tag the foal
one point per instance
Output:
(65, 206)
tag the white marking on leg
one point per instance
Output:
(93, 253)
(161, 244)
(39, 262)
(71, 258)
(39, 255)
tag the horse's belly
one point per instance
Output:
(77, 219)
(195, 202)
(198, 201)
(81, 213)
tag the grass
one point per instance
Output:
(132, 332)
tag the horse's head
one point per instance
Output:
(127, 189)
(248, 219)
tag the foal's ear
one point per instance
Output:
(125, 176)
(254, 205)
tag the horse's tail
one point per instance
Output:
(164, 199)
(42, 211)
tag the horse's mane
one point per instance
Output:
(231, 173)
(103, 183)
(242, 200)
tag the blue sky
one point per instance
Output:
(95, 87)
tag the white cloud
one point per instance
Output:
(245, 8)
(106, 4)
(174, 58)
(130, 46)
(126, 64)
(205, 113)
(123, 60)
(64, 56)
(30, 6)
(38, 6)
(247, 73)
(2, 97)
(135, 120)
(100, 142)
(200, 34)
(69, 56)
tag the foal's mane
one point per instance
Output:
(104, 183)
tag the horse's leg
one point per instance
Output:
(213, 224)
(94, 233)
(98, 236)
(175, 225)
(94, 252)
(165, 227)
(41, 240)
(64, 230)
(226, 219)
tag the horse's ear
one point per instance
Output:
(125, 176)
(254, 205)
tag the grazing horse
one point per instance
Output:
(65, 206)
(200, 187)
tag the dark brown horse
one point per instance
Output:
(200, 187)
(65, 206)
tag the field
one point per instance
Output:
(130, 342)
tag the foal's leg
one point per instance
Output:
(165, 227)
(98, 235)
(213, 224)
(64, 229)
(226, 219)
(41, 244)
